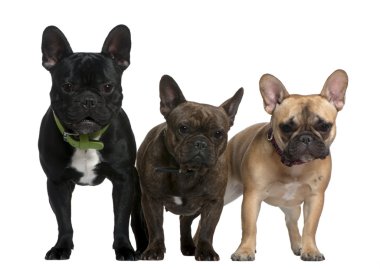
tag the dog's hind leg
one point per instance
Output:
(138, 222)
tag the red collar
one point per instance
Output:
(271, 139)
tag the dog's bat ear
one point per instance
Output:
(170, 95)
(118, 45)
(54, 47)
(231, 105)
(273, 92)
(335, 88)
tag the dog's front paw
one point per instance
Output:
(297, 251)
(312, 255)
(126, 254)
(205, 252)
(153, 253)
(58, 254)
(187, 247)
(243, 255)
(188, 250)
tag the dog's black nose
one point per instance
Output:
(306, 139)
(89, 102)
(201, 145)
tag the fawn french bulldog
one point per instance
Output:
(286, 162)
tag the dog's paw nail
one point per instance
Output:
(243, 256)
(297, 252)
(210, 256)
(125, 254)
(188, 250)
(58, 254)
(153, 255)
(312, 257)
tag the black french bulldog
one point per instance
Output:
(85, 137)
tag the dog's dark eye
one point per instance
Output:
(183, 129)
(324, 127)
(67, 87)
(286, 128)
(219, 134)
(107, 88)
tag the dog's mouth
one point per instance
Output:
(86, 126)
(186, 169)
(307, 153)
(192, 170)
(196, 165)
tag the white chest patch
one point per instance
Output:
(291, 190)
(177, 200)
(84, 161)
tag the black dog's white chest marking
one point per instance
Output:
(84, 161)
(177, 200)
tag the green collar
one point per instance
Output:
(85, 140)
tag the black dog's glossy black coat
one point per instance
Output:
(87, 73)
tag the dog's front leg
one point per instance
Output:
(153, 212)
(187, 242)
(249, 214)
(123, 196)
(60, 201)
(209, 219)
(312, 211)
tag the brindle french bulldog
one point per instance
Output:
(182, 167)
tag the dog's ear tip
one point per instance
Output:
(166, 77)
(123, 30)
(266, 76)
(122, 27)
(168, 81)
(340, 74)
(51, 29)
(239, 94)
(341, 71)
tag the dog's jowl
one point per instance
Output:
(183, 169)
(85, 137)
(286, 162)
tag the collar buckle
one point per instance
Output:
(66, 135)
(83, 141)
(270, 135)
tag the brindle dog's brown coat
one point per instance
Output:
(192, 142)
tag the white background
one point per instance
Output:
(211, 48)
